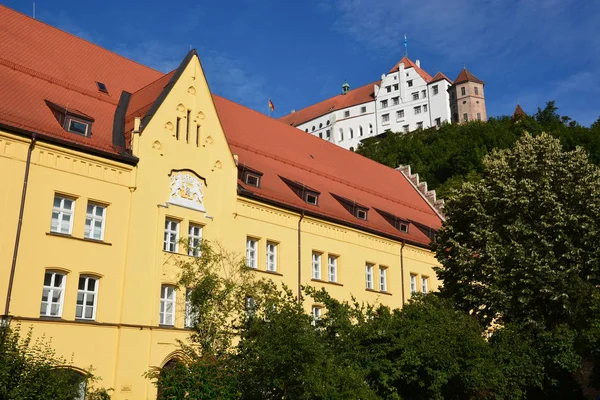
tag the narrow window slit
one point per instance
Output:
(187, 127)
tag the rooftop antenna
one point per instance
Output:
(405, 46)
(34, 10)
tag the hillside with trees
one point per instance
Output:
(453, 154)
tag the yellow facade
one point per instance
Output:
(125, 339)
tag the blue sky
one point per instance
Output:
(300, 52)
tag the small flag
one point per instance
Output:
(271, 106)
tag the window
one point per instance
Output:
(383, 279)
(102, 87)
(417, 110)
(332, 268)
(167, 305)
(399, 114)
(87, 295)
(395, 86)
(194, 240)
(409, 83)
(252, 179)
(191, 317)
(250, 306)
(62, 215)
(438, 122)
(76, 126)
(363, 110)
(313, 128)
(347, 113)
(423, 94)
(424, 284)
(53, 294)
(465, 117)
(479, 116)
(311, 198)
(320, 125)
(316, 314)
(385, 118)
(360, 131)
(271, 256)
(462, 91)
(370, 129)
(413, 284)
(351, 133)
(327, 122)
(476, 90)
(361, 213)
(406, 128)
(424, 107)
(316, 265)
(94, 221)
(341, 134)
(420, 125)
(395, 101)
(327, 134)
(415, 96)
(388, 89)
(435, 89)
(251, 256)
(384, 103)
(369, 276)
(171, 242)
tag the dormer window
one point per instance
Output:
(102, 87)
(306, 193)
(72, 120)
(249, 176)
(357, 210)
(397, 222)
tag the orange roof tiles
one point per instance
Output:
(439, 76)
(519, 113)
(35, 67)
(354, 97)
(466, 76)
(409, 64)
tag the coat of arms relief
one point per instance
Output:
(187, 190)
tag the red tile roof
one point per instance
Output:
(39, 62)
(466, 76)
(262, 143)
(439, 76)
(409, 64)
(275, 149)
(354, 97)
(519, 113)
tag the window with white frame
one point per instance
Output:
(424, 284)
(53, 294)
(465, 117)
(479, 116)
(399, 114)
(87, 297)
(388, 89)
(94, 221)
(363, 109)
(435, 89)
(438, 122)
(341, 138)
(351, 133)
(413, 284)
(369, 276)
(360, 131)
(251, 254)
(316, 314)
(476, 90)
(316, 265)
(62, 215)
(424, 107)
(395, 86)
(415, 96)
(384, 103)
(347, 113)
(332, 268)
(409, 83)
(167, 305)
(250, 306)
(423, 93)
(194, 240)
(271, 256)
(420, 125)
(385, 118)
(191, 317)
(395, 101)
(406, 128)
(171, 239)
(417, 110)
(383, 279)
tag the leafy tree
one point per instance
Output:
(30, 369)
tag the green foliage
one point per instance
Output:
(30, 369)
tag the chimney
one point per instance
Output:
(293, 111)
(418, 62)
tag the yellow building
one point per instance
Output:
(108, 163)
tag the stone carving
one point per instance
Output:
(187, 190)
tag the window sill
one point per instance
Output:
(50, 318)
(328, 282)
(63, 235)
(265, 271)
(377, 291)
(86, 321)
(166, 326)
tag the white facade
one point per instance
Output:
(403, 101)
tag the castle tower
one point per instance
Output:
(467, 99)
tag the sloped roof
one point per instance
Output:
(519, 113)
(409, 64)
(354, 97)
(440, 76)
(466, 76)
(40, 63)
(275, 149)
(262, 143)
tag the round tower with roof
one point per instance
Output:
(467, 98)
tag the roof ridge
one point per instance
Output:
(78, 38)
(56, 81)
(325, 175)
